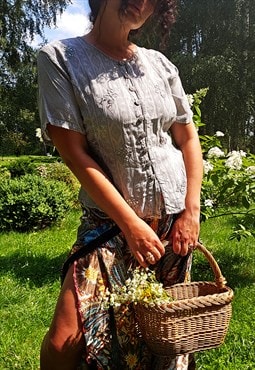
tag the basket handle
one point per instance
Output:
(219, 278)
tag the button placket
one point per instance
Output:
(127, 72)
(140, 126)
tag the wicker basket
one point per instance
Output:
(197, 319)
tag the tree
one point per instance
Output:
(213, 45)
(20, 21)
(18, 110)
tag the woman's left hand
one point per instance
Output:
(185, 232)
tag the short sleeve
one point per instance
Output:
(184, 113)
(56, 96)
(169, 71)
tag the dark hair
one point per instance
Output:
(164, 15)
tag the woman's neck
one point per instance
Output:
(116, 48)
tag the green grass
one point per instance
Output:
(236, 260)
(29, 277)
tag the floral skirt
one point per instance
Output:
(111, 336)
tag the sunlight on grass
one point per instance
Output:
(236, 260)
(30, 267)
(29, 278)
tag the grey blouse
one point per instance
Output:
(125, 109)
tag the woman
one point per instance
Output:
(119, 118)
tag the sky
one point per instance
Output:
(73, 22)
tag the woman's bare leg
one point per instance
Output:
(63, 344)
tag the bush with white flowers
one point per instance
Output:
(229, 179)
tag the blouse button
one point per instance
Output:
(162, 140)
(142, 135)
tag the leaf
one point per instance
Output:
(198, 110)
(245, 202)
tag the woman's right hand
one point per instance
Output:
(144, 242)
(141, 239)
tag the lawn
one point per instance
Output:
(29, 277)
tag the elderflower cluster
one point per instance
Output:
(215, 152)
(209, 203)
(143, 287)
(190, 100)
(234, 160)
(219, 134)
(207, 167)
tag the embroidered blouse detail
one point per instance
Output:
(125, 109)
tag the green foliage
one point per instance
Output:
(21, 167)
(6, 161)
(31, 202)
(212, 44)
(58, 171)
(229, 179)
(19, 112)
(4, 173)
(14, 142)
(21, 20)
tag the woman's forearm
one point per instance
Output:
(92, 178)
(185, 231)
(186, 138)
(101, 190)
(194, 171)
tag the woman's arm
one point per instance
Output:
(186, 228)
(73, 149)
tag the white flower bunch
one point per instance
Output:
(143, 287)
(215, 152)
(209, 203)
(219, 134)
(190, 99)
(234, 160)
(207, 167)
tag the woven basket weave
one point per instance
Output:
(197, 319)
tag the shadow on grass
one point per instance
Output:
(39, 270)
(236, 269)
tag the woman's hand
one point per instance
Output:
(185, 232)
(144, 243)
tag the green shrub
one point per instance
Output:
(4, 173)
(32, 202)
(60, 172)
(21, 167)
(56, 171)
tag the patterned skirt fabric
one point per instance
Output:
(111, 336)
